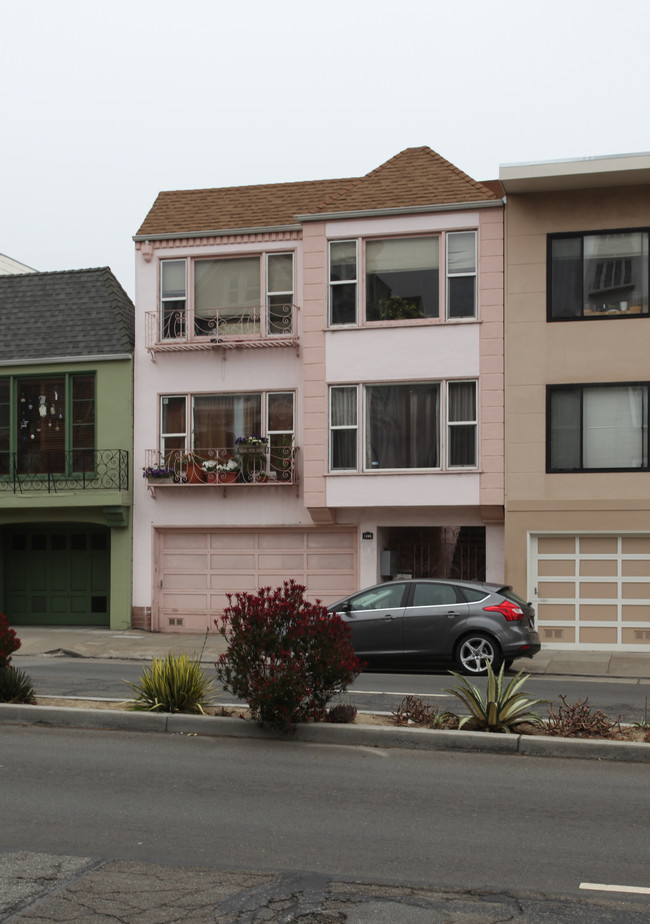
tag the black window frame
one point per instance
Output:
(581, 235)
(583, 386)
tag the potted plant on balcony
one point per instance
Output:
(192, 463)
(158, 473)
(224, 470)
(252, 450)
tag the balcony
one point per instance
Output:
(247, 467)
(75, 470)
(173, 330)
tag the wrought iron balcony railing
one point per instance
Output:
(176, 329)
(247, 465)
(74, 470)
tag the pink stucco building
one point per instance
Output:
(319, 387)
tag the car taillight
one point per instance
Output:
(510, 611)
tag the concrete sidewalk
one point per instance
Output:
(134, 644)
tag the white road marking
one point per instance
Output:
(608, 887)
(397, 693)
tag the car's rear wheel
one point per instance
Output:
(475, 652)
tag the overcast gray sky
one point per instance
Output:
(106, 102)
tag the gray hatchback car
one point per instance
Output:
(466, 623)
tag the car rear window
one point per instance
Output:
(509, 594)
(474, 595)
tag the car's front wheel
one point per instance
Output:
(475, 652)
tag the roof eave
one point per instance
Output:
(51, 360)
(215, 232)
(404, 210)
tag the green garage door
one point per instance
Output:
(57, 576)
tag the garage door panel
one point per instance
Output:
(281, 563)
(613, 590)
(187, 562)
(282, 540)
(186, 540)
(234, 540)
(185, 581)
(227, 562)
(243, 560)
(336, 539)
(178, 603)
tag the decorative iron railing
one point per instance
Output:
(174, 328)
(73, 470)
(247, 465)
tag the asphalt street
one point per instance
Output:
(101, 826)
(372, 691)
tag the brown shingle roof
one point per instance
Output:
(270, 205)
(416, 177)
(413, 178)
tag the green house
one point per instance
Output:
(66, 449)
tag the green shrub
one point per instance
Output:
(15, 686)
(500, 709)
(176, 683)
(286, 657)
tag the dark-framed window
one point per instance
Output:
(598, 274)
(597, 427)
(47, 424)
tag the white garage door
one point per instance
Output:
(592, 591)
(195, 569)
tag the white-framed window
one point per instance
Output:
(216, 421)
(402, 279)
(344, 427)
(343, 262)
(402, 426)
(173, 299)
(223, 295)
(279, 292)
(597, 427)
(461, 274)
(462, 424)
(375, 280)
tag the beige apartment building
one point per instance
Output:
(577, 373)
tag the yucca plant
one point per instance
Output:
(500, 709)
(176, 683)
(15, 686)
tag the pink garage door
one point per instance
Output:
(195, 569)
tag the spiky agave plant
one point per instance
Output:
(15, 686)
(175, 683)
(501, 708)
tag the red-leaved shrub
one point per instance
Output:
(8, 642)
(286, 657)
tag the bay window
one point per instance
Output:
(402, 426)
(597, 427)
(598, 275)
(208, 422)
(227, 295)
(399, 278)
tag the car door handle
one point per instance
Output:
(390, 616)
(451, 614)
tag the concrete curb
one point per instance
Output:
(327, 733)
